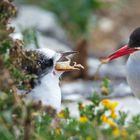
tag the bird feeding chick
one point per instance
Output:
(48, 66)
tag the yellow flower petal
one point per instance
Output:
(61, 114)
(116, 132)
(83, 119)
(109, 104)
(108, 121)
(89, 138)
(113, 114)
(113, 105)
(58, 131)
(104, 118)
(111, 123)
(106, 103)
(124, 133)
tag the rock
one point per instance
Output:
(121, 89)
(106, 70)
(72, 98)
(42, 20)
(79, 90)
(130, 105)
(49, 34)
(52, 43)
(79, 87)
(106, 25)
(43, 42)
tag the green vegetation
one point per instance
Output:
(31, 122)
(20, 121)
(73, 15)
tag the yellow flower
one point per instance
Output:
(89, 138)
(83, 119)
(108, 121)
(58, 131)
(106, 103)
(61, 114)
(116, 132)
(113, 105)
(109, 104)
(111, 123)
(124, 133)
(113, 114)
(104, 118)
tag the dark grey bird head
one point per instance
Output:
(134, 40)
(132, 46)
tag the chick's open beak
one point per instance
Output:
(64, 63)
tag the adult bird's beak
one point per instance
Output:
(125, 50)
(64, 63)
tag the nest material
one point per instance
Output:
(30, 62)
(7, 11)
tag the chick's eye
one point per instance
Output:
(47, 63)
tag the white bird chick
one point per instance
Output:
(49, 67)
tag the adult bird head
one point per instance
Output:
(130, 48)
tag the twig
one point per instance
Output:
(28, 124)
(17, 98)
(97, 71)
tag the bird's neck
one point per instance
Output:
(135, 56)
(133, 72)
(48, 91)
